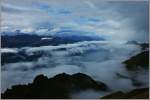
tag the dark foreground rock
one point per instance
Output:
(139, 60)
(142, 93)
(50, 88)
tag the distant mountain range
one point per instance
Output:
(28, 40)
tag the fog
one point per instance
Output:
(100, 60)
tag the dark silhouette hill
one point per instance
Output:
(139, 60)
(58, 87)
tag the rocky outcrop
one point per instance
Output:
(134, 66)
(142, 93)
(57, 87)
(139, 60)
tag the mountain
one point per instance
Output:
(132, 42)
(27, 40)
(58, 87)
(142, 93)
(61, 85)
(139, 60)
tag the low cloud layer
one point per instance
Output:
(102, 61)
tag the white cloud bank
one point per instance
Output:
(102, 61)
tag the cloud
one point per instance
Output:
(90, 4)
(8, 50)
(127, 19)
(88, 94)
(99, 59)
(117, 21)
(13, 9)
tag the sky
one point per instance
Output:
(116, 20)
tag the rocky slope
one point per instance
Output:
(57, 87)
(139, 60)
(142, 93)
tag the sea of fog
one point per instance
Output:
(101, 60)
